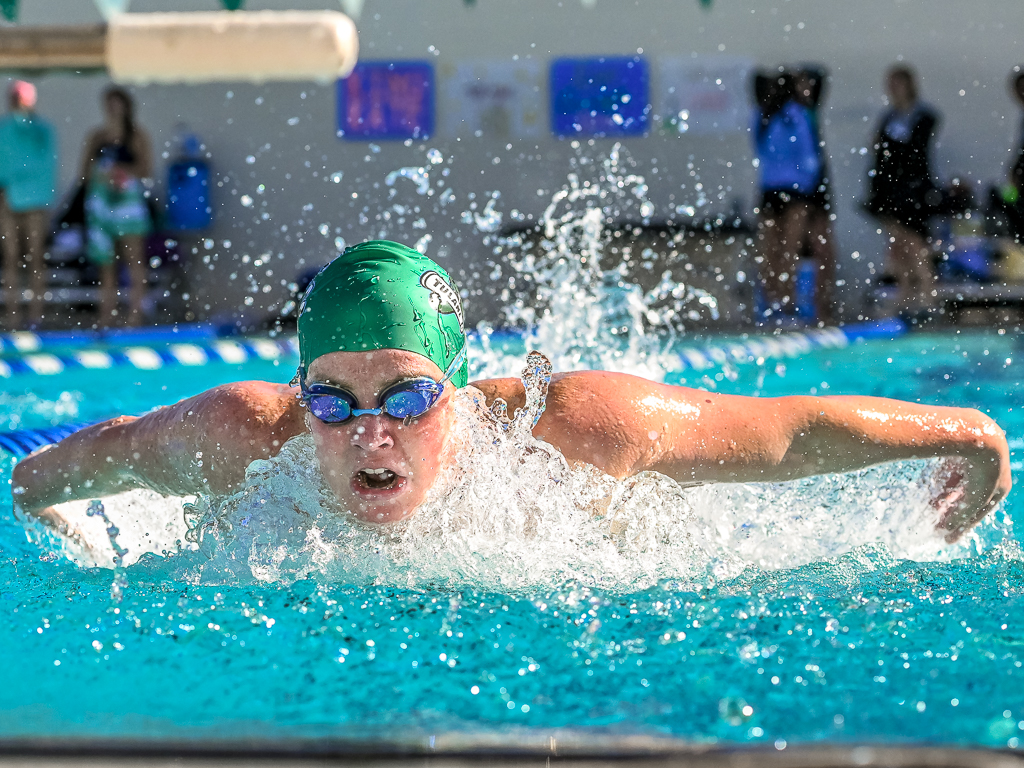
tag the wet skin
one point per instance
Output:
(618, 423)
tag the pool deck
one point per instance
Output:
(618, 753)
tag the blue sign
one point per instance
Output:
(605, 96)
(387, 100)
(188, 195)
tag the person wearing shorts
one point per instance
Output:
(116, 165)
(809, 88)
(28, 170)
(790, 171)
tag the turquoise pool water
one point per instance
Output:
(860, 645)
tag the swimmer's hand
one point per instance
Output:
(968, 489)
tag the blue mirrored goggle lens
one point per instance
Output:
(330, 408)
(405, 400)
(407, 403)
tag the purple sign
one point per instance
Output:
(605, 96)
(387, 100)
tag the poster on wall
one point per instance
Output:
(607, 96)
(498, 98)
(704, 94)
(387, 100)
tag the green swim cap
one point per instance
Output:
(383, 295)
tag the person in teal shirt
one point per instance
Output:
(28, 169)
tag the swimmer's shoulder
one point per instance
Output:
(252, 408)
(595, 417)
(570, 390)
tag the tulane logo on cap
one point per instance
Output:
(443, 297)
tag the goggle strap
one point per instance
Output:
(454, 366)
(299, 379)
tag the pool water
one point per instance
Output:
(859, 643)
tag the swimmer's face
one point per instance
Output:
(379, 467)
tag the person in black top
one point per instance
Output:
(1012, 192)
(901, 192)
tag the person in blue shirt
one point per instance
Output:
(28, 169)
(809, 87)
(790, 168)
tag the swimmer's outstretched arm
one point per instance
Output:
(624, 425)
(200, 445)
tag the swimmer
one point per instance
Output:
(382, 349)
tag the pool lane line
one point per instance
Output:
(242, 350)
(22, 442)
(27, 342)
(787, 345)
(150, 358)
(24, 342)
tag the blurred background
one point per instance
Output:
(296, 171)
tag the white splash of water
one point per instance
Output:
(121, 530)
(582, 312)
(419, 176)
(487, 220)
(510, 514)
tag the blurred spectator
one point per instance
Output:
(901, 192)
(28, 167)
(116, 163)
(809, 88)
(1007, 201)
(790, 166)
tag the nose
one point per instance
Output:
(371, 433)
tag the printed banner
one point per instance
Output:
(495, 97)
(704, 95)
(387, 100)
(605, 96)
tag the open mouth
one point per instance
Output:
(377, 479)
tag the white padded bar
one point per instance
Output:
(251, 46)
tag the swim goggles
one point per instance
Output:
(404, 400)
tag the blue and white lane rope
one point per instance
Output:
(763, 348)
(22, 442)
(24, 342)
(151, 358)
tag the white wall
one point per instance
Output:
(962, 51)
